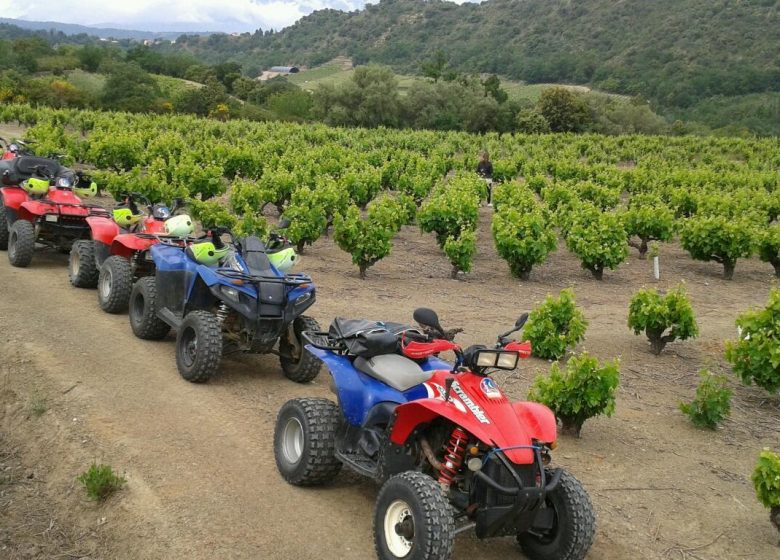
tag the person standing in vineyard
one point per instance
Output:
(485, 170)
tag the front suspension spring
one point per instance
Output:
(453, 457)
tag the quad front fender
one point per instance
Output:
(125, 244)
(104, 230)
(538, 419)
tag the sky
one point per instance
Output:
(173, 15)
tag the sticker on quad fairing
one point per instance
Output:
(475, 410)
(436, 391)
(490, 389)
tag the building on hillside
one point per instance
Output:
(275, 71)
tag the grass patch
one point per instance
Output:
(38, 406)
(101, 481)
(87, 81)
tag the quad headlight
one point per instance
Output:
(496, 359)
(64, 182)
(230, 293)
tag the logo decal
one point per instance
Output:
(490, 388)
(475, 410)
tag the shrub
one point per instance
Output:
(211, 214)
(648, 222)
(514, 195)
(449, 211)
(101, 481)
(604, 198)
(718, 238)
(755, 357)
(766, 481)
(460, 251)
(599, 241)
(523, 238)
(662, 318)
(712, 403)
(555, 326)
(583, 390)
(769, 246)
(307, 219)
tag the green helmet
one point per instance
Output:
(124, 216)
(36, 186)
(283, 260)
(91, 190)
(206, 253)
(179, 226)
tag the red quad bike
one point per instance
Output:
(450, 449)
(39, 205)
(117, 253)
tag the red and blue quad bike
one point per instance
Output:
(39, 205)
(451, 451)
(13, 149)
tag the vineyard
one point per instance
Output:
(389, 220)
(600, 193)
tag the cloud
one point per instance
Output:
(156, 15)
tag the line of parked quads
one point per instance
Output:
(449, 449)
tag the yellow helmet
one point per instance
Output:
(124, 216)
(90, 190)
(36, 186)
(206, 253)
(283, 260)
(179, 226)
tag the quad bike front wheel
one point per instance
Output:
(413, 519)
(115, 284)
(82, 266)
(199, 346)
(3, 226)
(305, 441)
(143, 311)
(573, 529)
(21, 243)
(298, 364)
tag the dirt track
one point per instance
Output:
(202, 483)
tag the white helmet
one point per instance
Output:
(179, 226)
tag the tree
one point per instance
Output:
(90, 57)
(434, 68)
(529, 121)
(492, 85)
(563, 109)
(129, 88)
(370, 98)
(720, 239)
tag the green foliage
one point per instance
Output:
(451, 209)
(529, 121)
(523, 239)
(101, 481)
(599, 240)
(307, 220)
(583, 390)
(648, 222)
(129, 88)
(564, 110)
(555, 326)
(211, 214)
(514, 195)
(769, 246)
(766, 479)
(663, 318)
(460, 250)
(603, 197)
(712, 403)
(755, 357)
(720, 239)
(369, 239)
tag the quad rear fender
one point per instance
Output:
(13, 197)
(104, 230)
(126, 244)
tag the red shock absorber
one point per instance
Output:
(453, 457)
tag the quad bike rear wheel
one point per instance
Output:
(574, 525)
(3, 226)
(199, 346)
(143, 311)
(413, 519)
(82, 266)
(115, 284)
(21, 243)
(298, 364)
(305, 441)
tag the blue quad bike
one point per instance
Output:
(449, 448)
(223, 297)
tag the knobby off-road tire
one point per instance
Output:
(115, 284)
(82, 266)
(199, 346)
(304, 366)
(21, 243)
(413, 519)
(573, 529)
(305, 441)
(3, 226)
(143, 311)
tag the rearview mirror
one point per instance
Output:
(284, 223)
(427, 318)
(521, 321)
